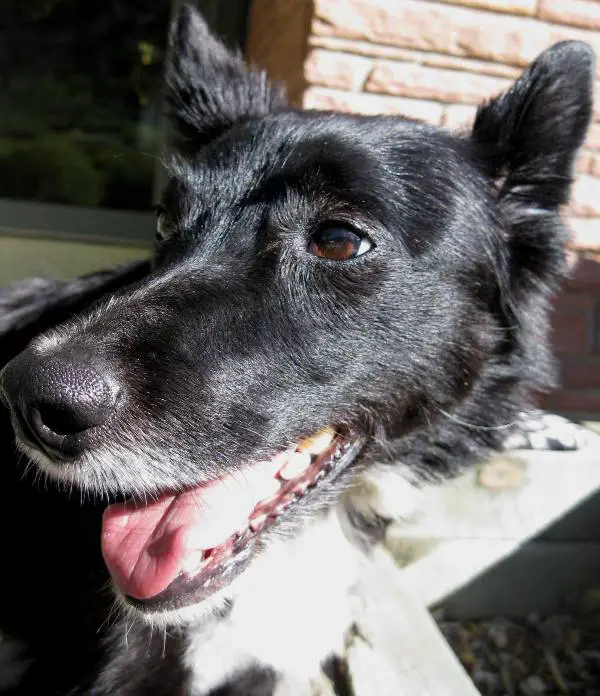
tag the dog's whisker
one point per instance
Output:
(150, 636)
(164, 644)
(128, 628)
(476, 426)
(112, 615)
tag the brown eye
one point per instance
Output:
(339, 243)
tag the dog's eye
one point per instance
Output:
(339, 243)
(164, 229)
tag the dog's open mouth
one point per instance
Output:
(186, 546)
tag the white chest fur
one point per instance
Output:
(292, 609)
(294, 605)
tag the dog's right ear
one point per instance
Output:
(209, 87)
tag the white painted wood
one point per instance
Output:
(463, 529)
(402, 650)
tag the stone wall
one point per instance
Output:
(435, 61)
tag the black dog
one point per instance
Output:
(331, 297)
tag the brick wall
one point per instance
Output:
(435, 61)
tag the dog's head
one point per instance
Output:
(324, 286)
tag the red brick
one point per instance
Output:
(580, 13)
(575, 401)
(522, 7)
(571, 333)
(543, 401)
(338, 70)
(585, 196)
(336, 100)
(580, 373)
(410, 80)
(424, 25)
(584, 163)
(594, 164)
(593, 136)
(573, 303)
(572, 257)
(585, 275)
(585, 233)
(459, 117)
(409, 55)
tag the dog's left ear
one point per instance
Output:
(529, 136)
(209, 87)
(526, 140)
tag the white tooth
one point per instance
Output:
(273, 465)
(270, 488)
(193, 561)
(301, 488)
(318, 442)
(297, 464)
(257, 522)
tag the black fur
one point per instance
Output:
(239, 341)
(33, 306)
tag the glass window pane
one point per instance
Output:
(80, 100)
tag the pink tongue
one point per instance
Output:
(147, 546)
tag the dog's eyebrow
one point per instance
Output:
(377, 187)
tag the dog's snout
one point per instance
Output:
(59, 400)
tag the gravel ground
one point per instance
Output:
(553, 655)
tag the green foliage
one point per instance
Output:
(37, 9)
(50, 169)
(129, 178)
(80, 77)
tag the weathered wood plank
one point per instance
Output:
(465, 528)
(401, 650)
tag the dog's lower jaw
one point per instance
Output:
(288, 612)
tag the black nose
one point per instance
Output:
(59, 401)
